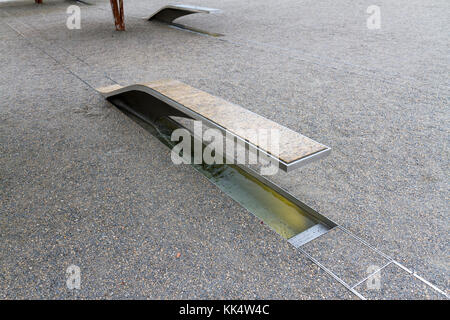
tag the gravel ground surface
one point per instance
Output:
(82, 184)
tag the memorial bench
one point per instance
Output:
(171, 12)
(174, 98)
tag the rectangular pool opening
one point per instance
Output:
(278, 209)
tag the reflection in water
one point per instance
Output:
(279, 213)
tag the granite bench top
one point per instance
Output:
(293, 146)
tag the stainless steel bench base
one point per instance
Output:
(173, 98)
(169, 13)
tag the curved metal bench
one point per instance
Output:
(173, 98)
(171, 12)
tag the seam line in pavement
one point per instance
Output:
(332, 274)
(430, 284)
(392, 261)
(49, 55)
(371, 275)
(364, 242)
(413, 273)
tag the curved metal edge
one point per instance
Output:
(285, 166)
(308, 159)
(171, 12)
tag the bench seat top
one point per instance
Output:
(293, 146)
